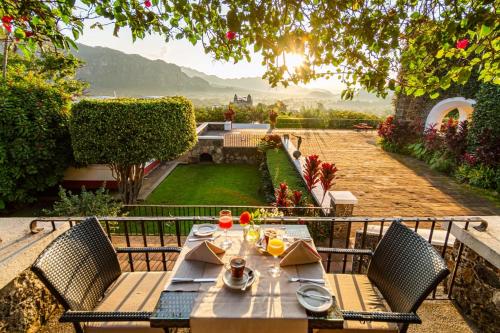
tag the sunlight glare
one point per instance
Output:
(294, 61)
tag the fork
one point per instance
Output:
(203, 238)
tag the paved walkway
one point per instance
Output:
(389, 184)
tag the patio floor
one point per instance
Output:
(389, 184)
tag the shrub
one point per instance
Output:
(479, 175)
(311, 171)
(270, 141)
(229, 114)
(127, 133)
(485, 126)
(455, 138)
(440, 161)
(100, 203)
(396, 134)
(35, 146)
(327, 175)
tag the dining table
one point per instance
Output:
(269, 304)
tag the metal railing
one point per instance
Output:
(213, 210)
(345, 233)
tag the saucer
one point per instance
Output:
(237, 284)
(310, 302)
(205, 230)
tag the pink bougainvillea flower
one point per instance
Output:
(230, 35)
(462, 44)
(147, 3)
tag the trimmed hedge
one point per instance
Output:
(132, 131)
(294, 122)
(35, 146)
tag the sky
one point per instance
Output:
(183, 53)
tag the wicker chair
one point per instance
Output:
(81, 269)
(404, 268)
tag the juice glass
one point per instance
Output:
(275, 247)
(225, 223)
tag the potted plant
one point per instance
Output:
(273, 118)
(229, 118)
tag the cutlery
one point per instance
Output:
(307, 239)
(187, 280)
(203, 238)
(321, 297)
(250, 276)
(297, 279)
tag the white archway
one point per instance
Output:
(438, 112)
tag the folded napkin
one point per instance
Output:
(206, 252)
(300, 253)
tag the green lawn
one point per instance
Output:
(282, 170)
(210, 184)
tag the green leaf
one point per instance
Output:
(485, 30)
(419, 92)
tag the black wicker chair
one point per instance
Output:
(404, 268)
(81, 269)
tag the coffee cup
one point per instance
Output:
(237, 267)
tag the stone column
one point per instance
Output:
(342, 205)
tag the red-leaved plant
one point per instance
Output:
(297, 198)
(229, 114)
(327, 175)
(273, 118)
(282, 196)
(311, 172)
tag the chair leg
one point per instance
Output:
(403, 328)
(78, 327)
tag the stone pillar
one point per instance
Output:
(227, 126)
(342, 205)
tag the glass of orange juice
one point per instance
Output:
(275, 247)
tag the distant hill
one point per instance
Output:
(110, 71)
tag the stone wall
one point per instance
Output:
(220, 154)
(477, 290)
(26, 304)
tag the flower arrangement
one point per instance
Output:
(311, 171)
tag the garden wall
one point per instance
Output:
(212, 147)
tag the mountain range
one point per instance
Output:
(114, 73)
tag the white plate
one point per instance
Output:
(312, 303)
(205, 230)
(238, 284)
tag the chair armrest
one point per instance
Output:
(148, 249)
(393, 317)
(82, 316)
(330, 250)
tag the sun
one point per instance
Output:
(294, 61)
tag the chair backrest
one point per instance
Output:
(405, 268)
(79, 265)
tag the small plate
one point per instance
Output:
(205, 230)
(238, 284)
(311, 303)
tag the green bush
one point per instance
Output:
(100, 203)
(479, 175)
(484, 132)
(127, 133)
(35, 144)
(441, 162)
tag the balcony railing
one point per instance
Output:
(327, 232)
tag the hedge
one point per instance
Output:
(35, 146)
(131, 131)
(294, 122)
(127, 133)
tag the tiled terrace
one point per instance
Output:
(389, 184)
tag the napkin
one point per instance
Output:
(299, 253)
(206, 252)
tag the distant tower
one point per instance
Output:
(249, 100)
(235, 98)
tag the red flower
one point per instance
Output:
(28, 34)
(462, 44)
(311, 172)
(230, 35)
(297, 198)
(245, 217)
(327, 175)
(7, 19)
(281, 194)
(147, 3)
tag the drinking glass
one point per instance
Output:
(225, 223)
(275, 247)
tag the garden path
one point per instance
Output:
(389, 184)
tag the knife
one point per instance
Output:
(187, 280)
(297, 279)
